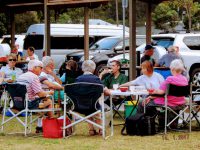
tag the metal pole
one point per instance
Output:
(124, 33)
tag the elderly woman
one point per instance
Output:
(149, 79)
(9, 73)
(178, 79)
(49, 79)
(88, 68)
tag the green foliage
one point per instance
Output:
(195, 21)
(165, 17)
(3, 24)
(24, 20)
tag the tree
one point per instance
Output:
(3, 24)
(190, 7)
(24, 20)
(165, 17)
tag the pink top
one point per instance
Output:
(32, 83)
(178, 80)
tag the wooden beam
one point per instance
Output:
(86, 33)
(70, 2)
(12, 22)
(148, 23)
(47, 36)
(132, 39)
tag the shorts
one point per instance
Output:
(60, 94)
(34, 104)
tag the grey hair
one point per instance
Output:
(88, 66)
(172, 49)
(177, 65)
(46, 60)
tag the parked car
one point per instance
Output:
(189, 49)
(66, 38)
(159, 51)
(104, 49)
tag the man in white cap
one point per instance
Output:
(34, 89)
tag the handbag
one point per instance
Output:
(52, 128)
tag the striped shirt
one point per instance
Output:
(32, 83)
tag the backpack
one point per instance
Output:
(139, 124)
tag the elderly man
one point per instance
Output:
(34, 89)
(49, 79)
(166, 59)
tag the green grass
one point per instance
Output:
(82, 141)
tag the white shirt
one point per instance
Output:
(34, 55)
(9, 72)
(152, 82)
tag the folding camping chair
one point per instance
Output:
(16, 97)
(88, 99)
(178, 111)
(195, 107)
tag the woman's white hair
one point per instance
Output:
(177, 64)
(46, 60)
(88, 66)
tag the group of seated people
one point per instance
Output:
(41, 76)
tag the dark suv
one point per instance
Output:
(102, 50)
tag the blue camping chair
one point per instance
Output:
(165, 72)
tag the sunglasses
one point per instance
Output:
(39, 67)
(12, 59)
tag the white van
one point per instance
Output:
(19, 40)
(66, 38)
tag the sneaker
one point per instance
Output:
(38, 130)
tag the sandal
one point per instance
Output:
(92, 132)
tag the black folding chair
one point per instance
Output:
(195, 108)
(177, 91)
(16, 98)
(88, 99)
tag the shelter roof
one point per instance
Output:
(20, 5)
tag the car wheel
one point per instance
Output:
(195, 77)
(99, 69)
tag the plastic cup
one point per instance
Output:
(115, 86)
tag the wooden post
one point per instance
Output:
(132, 40)
(148, 23)
(47, 39)
(12, 22)
(86, 33)
(117, 14)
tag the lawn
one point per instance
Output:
(173, 140)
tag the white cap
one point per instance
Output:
(34, 63)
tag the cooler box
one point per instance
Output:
(129, 105)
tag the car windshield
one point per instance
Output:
(105, 44)
(165, 42)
